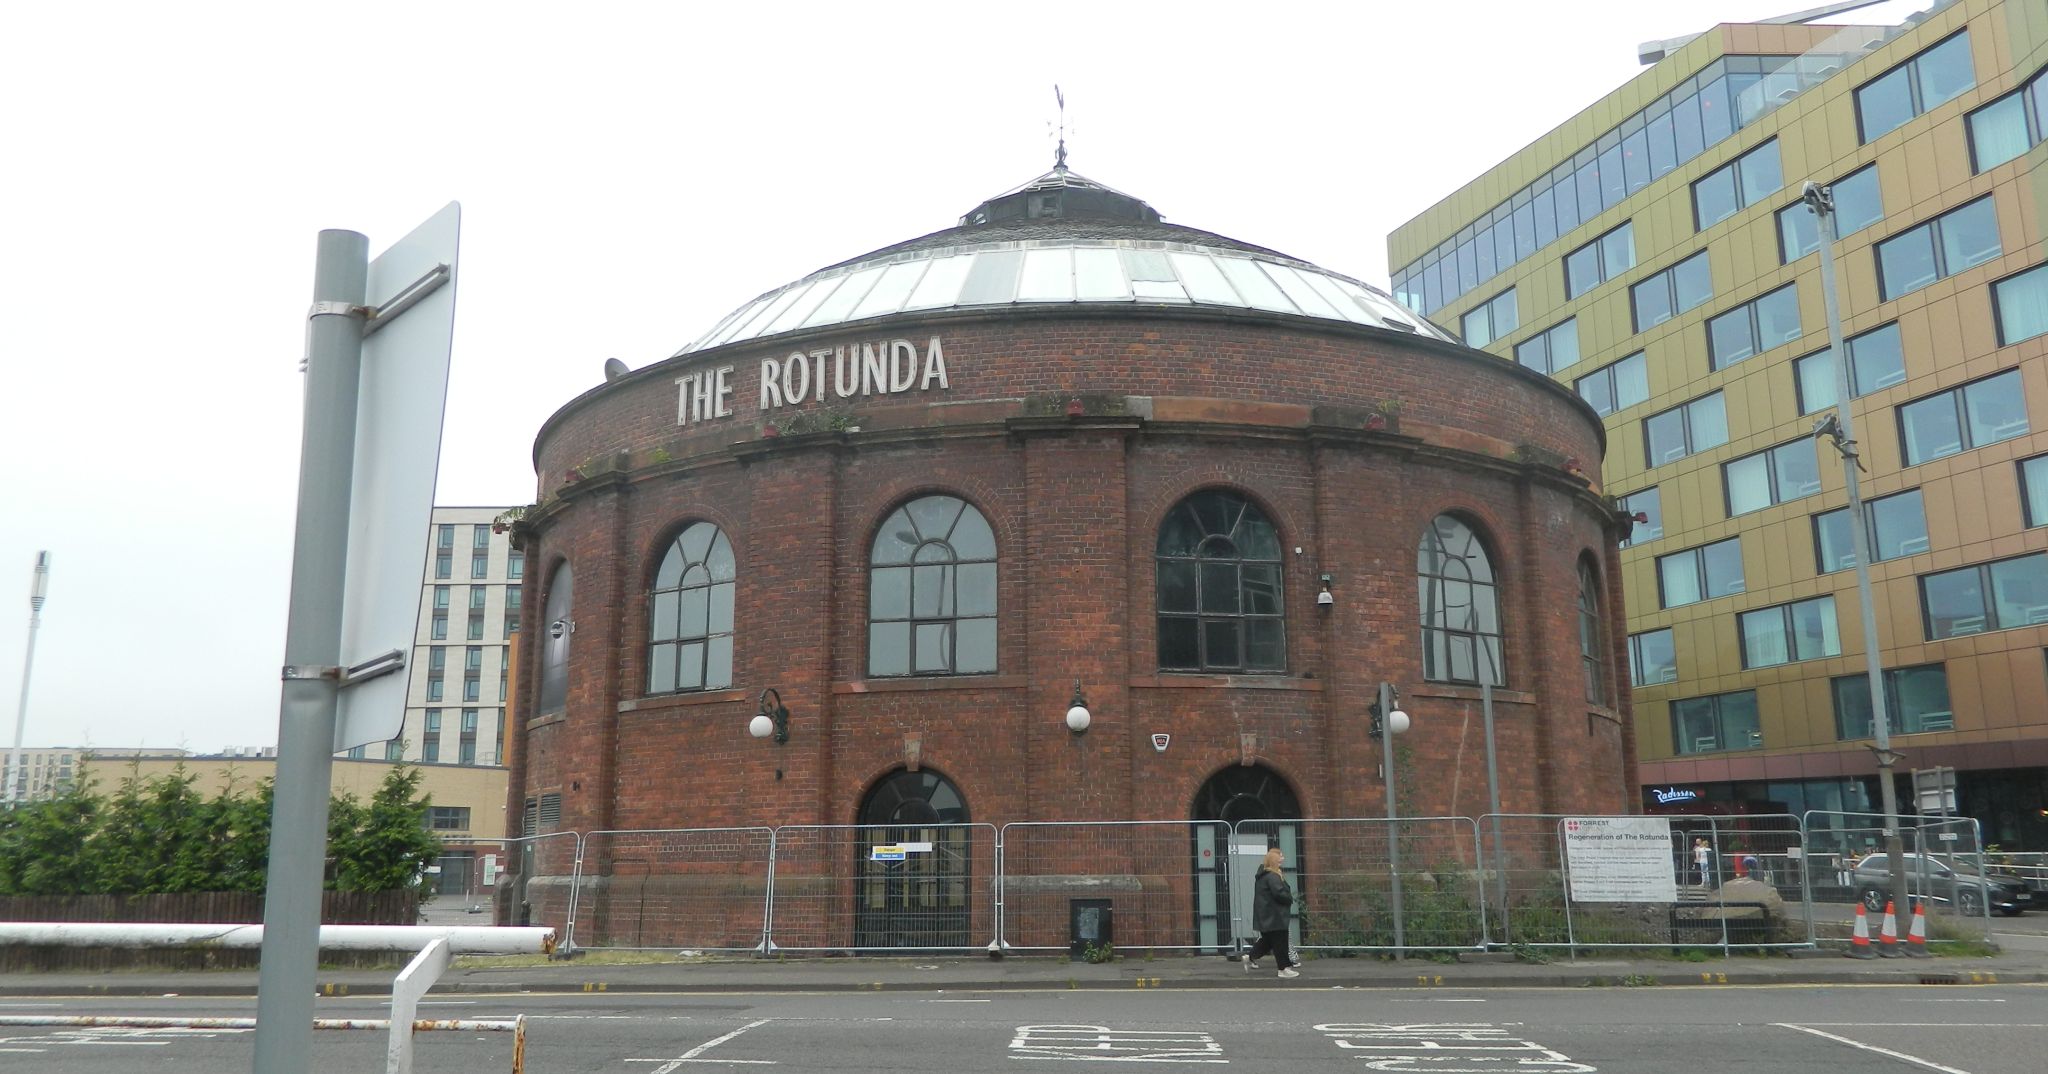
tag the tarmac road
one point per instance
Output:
(1289, 1026)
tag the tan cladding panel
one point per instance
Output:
(1996, 694)
(480, 790)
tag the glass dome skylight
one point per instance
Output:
(985, 263)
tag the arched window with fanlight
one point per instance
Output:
(1219, 587)
(932, 591)
(1591, 636)
(1461, 636)
(689, 629)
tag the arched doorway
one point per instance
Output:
(1256, 808)
(921, 895)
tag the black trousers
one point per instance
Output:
(1276, 942)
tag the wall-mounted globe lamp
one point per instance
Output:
(770, 720)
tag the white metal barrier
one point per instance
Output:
(435, 945)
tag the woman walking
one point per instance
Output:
(1271, 898)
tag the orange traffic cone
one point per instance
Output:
(1888, 936)
(1916, 938)
(1859, 943)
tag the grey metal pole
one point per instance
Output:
(312, 651)
(38, 589)
(1393, 813)
(1821, 200)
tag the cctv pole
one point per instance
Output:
(312, 654)
(1821, 200)
(38, 589)
(1393, 812)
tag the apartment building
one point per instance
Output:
(1653, 251)
(469, 610)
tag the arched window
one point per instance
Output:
(932, 591)
(554, 658)
(1460, 606)
(1219, 587)
(689, 632)
(1590, 646)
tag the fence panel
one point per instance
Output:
(693, 889)
(1947, 871)
(881, 888)
(1731, 885)
(1344, 874)
(538, 884)
(1164, 884)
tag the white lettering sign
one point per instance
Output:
(828, 374)
(1675, 794)
(1619, 859)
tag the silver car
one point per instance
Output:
(1941, 880)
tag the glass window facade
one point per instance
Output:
(1988, 596)
(1786, 472)
(1601, 260)
(1915, 701)
(1698, 574)
(1219, 587)
(932, 591)
(1802, 630)
(1461, 631)
(2021, 303)
(1685, 429)
(1717, 723)
(1552, 349)
(1897, 527)
(1684, 286)
(1970, 416)
(1877, 359)
(1736, 185)
(2034, 489)
(690, 635)
(1650, 505)
(1617, 385)
(1940, 248)
(1753, 327)
(1937, 75)
(1491, 320)
(1592, 644)
(1652, 659)
(1726, 95)
(1859, 203)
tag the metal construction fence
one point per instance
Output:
(1152, 877)
(1362, 884)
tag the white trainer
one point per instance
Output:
(1289, 972)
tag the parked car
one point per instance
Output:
(1955, 883)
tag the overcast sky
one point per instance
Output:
(628, 174)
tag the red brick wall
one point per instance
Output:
(1075, 503)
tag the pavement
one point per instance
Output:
(598, 972)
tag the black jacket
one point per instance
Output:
(1270, 899)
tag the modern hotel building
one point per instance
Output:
(1653, 251)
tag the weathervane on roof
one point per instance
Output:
(1059, 158)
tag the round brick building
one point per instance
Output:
(1061, 456)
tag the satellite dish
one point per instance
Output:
(614, 369)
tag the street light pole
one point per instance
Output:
(38, 590)
(1837, 427)
(1390, 724)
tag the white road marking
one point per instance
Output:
(1437, 1001)
(1427, 1046)
(1929, 1025)
(959, 1001)
(1101, 1044)
(1951, 1001)
(1900, 1056)
(691, 1055)
(31, 1005)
